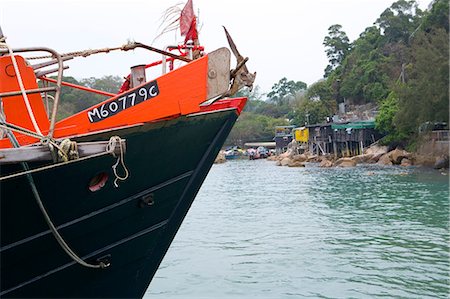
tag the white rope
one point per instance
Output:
(22, 89)
(110, 148)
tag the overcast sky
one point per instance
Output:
(282, 38)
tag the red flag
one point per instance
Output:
(188, 24)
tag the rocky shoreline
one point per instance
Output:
(373, 155)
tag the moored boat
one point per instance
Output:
(91, 203)
(234, 152)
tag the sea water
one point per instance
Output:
(257, 230)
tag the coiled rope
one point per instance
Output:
(110, 148)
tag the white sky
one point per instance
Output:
(281, 38)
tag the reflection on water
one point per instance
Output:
(261, 231)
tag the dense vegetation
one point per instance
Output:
(75, 100)
(399, 65)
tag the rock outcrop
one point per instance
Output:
(375, 154)
(441, 162)
(376, 150)
(385, 160)
(220, 158)
(326, 163)
(365, 158)
(345, 162)
(396, 157)
(285, 161)
(406, 162)
(296, 164)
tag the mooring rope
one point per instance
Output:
(86, 53)
(56, 234)
(47, 218)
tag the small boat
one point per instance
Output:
(252, 154)
(259, 153)
(234, 152)
(91, 203)
(262, 152)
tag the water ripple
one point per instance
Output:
(261, 231)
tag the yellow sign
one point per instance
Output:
(301, 134)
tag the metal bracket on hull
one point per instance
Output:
(218, 72)
(42, 153)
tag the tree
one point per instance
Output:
(399, 21)
(74, 100)
(438, 16)
(424, 96)
(385, 120)
(337, 46)
(253, 127)
(310, 111)
(254, 98)
(106, 83)
(284, 91)
(323, 91)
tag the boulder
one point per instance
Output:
(313, 158)
(385, 160)
(376, 150)
(287, 154)
(406, 162)
(285, 161)
(296, 164)
(325, 163)
(345, 162)
(299, 158)
(278, 163)
(220, 158)
(441, 162)
(397, 155)
(365, 158)
(375, 158)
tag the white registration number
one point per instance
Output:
(130, 99)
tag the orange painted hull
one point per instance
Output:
(179, 92)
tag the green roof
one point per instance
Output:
(355, 125)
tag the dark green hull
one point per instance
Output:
(168, 162)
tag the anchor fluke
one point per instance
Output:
(240, 76)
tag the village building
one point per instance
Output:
(338, 139)
(283, 136)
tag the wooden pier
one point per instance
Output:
(338, 139)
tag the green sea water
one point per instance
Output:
(257, 230)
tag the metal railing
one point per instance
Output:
(57, 89)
